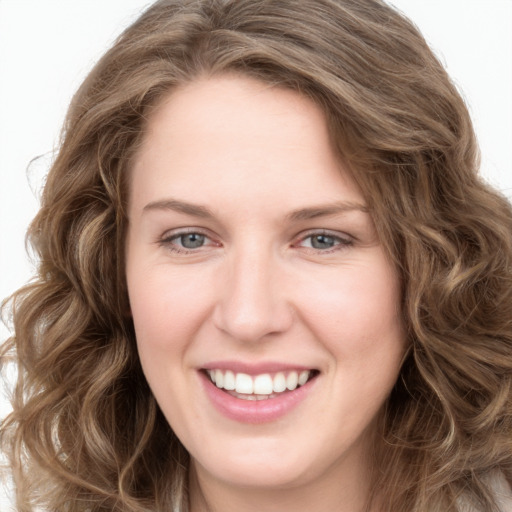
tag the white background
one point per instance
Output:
(48, 46)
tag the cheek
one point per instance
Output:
(167, 306)
(165, 316)
(356, 311)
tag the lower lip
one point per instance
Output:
(255, 411)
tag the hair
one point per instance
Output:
(86, 432)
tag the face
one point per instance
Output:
(266, 311)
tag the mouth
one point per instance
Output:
(263, 386)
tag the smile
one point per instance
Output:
(259, 387)
(247, 394)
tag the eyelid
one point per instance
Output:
(344, 239)
(166, 239)
(176, 232)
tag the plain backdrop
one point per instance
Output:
(48, 46)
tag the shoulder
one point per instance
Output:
(502, 494)
(502, 491)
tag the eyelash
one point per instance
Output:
(340, 242)
(167, 241)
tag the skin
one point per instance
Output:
(260, 287)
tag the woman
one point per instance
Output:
(270, 276)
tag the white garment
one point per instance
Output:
(502, 493)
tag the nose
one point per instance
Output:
(252, 303)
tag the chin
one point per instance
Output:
(262, 463)
(260, 473)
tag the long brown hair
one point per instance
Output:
(86, 432)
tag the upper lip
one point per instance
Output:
(252, 368)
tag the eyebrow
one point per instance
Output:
(179, 206)
(302, 214)
(326, 210)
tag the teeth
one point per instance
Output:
(258, 387)
(292, 381)
(263, 385)
(243, 383)
(303, 377)
(219, 379)
(229, 381)
(279, 384)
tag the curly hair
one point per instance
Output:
(86, 433)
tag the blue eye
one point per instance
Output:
(324, 242)
(190, 240)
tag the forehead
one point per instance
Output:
(248, 109)
(225, 131)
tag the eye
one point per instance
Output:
(190, 240)
(184, 242)
(325, 242)
(322, 241)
